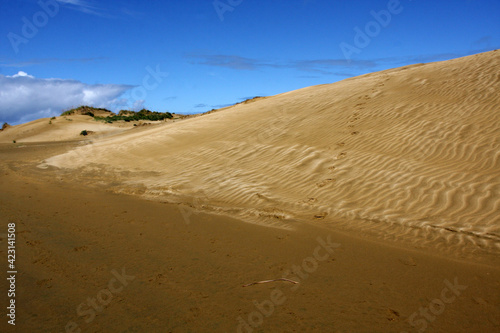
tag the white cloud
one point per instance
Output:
(101, 8)
(21, 73)
(25, 98)
(81, 5)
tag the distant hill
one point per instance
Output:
(109, 117)
(144, 114)
(94, 121)
(88, 111)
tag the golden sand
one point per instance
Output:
(378, 194)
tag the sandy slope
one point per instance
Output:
(411, 154)
(187, 275)
(60, 129)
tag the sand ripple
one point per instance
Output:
(410, 154)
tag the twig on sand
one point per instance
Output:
(266, 281)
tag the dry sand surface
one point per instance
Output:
(59, 129)
(379, 194)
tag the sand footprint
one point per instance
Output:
(341, 155)
(310, 201)
(320, 215)
(80, 248)
(325, 182)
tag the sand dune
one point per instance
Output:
(382, 174)
(410, 154)
(63, 128)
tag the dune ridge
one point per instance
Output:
(63, 128)
(410, 154)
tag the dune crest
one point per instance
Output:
(411, 154)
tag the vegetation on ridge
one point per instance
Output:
(85, 111)
(107, 116)
(144, 114)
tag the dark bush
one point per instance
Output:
(144, 114)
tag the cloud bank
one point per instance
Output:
(337, 66)
(24, 98)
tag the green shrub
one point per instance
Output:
(84, 110)
(84, 133)
(144, 114)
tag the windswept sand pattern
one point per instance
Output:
(411, 153)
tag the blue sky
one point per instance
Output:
(189, 56)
